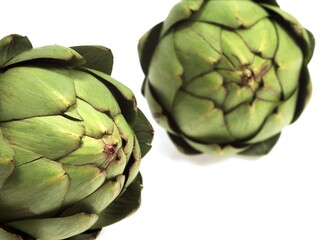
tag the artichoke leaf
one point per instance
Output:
(271, 87)
(189, 111)
(123, 95)
(289, 59)
(11, 46)
(55, 228)
(97, 57)
(305, 92)
(212, 148)
(144, 132)
(126, 134)
(30, 186)
(52, 137)
(117, 166)
(6, 160)
(207, 37)
(235, 49)
(261, 148)
(96, 123)
(91, 151)
(182, 145)
(302, 35)
(88, 88)
(208, 86)
(72, 113)
(4, 235)
(126, 204)
(231, 14)
(147, 45)
(261, 38)
(237, 95)
(182, 11)
(23, 156)
(133, 166)
(48, 54)
(52, 92)
(273, 124)
(98, 200)
(157, 110)
(248, 118)
(309, 47)
(166, 71)
(84, 180)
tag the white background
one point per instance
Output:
(279, 196)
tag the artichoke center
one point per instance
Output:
(110, 150)
(247, 77)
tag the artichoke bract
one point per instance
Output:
(71, 142)
(225, 77)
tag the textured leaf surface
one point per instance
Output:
(99, 200)
(289, 59)
(53, 53)
(190, 111)
(52, 137)
(123, 206)
(30, 186)
(6, 160)
(52, 92)
(88, 88)
(84, 180)
(232, 14)
(97, 57)
(207, 37)
(123, 95)
(91, 151)
(213, 148)
(179, 12)
(56, 228)
(261, 148)
(11, 46)
(144, 132)
(147, 45)
(165, 75)
(95, 123)
(157, 110)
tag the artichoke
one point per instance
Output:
(224, 77)
(71, 142)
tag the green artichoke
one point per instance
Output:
(225, 77)
(71, 142)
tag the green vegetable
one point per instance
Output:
(71, 142)
(225, 77)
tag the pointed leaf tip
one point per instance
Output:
(126, 204)
(11, 46)
(261, 148)
(48, 54)
(98, 58)
(147, 45)
(144, 132)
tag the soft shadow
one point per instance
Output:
(169, 150)
(201, 159)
